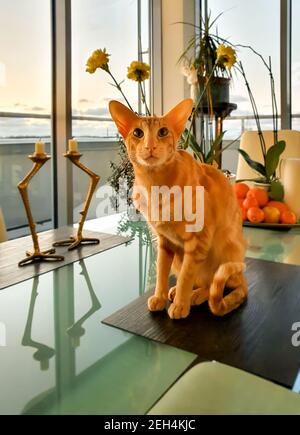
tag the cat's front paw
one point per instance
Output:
(179, 310)
(172, 293)
(156, 304)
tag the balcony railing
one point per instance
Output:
(47, 116)
(98, 151)
(241, 118)
(14, 164)
(89, 128)
(244, 118)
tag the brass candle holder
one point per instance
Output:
(38, 159)
(74, 242)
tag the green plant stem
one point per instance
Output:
(120, 89)
(148, 113)
(273, 93)
(240, 68)
(255, 52)
(274, 103)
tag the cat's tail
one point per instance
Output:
(231, 276)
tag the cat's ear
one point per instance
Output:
(178, 116)
(123, 117)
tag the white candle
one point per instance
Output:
(40, 148)
(73, 146)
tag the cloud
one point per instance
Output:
(107, 99)
(85, 100)
(21, 106)
(238, 99)
(37, 108)
(240, 112)
(96, 111)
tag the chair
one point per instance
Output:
(251, 144)
(3, 234)
(212, 388)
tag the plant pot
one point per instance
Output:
(219, 88)
(264, 186)
(229, 175)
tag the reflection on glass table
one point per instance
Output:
(43, 352)
(137, 228)
(76, 331)
(92, 368)
(278, 246)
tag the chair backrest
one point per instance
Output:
(3, 234)
(251, 144)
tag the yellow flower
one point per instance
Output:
(138, 71)
(226, 56)
(98, 59)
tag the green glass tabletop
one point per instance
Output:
(56, 357)
(278, 246)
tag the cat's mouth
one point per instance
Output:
(150, 159)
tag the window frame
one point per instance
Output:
(61, 21)
(285, 58)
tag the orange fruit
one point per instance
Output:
(288, 217)
(243, 213)
(272, 215)
(240, 189)
(281, 206)
(260, 195)
(250, 202)
(255, 215)
(240, 201)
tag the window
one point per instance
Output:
(25, 107)
(243, 22)
(122, 27)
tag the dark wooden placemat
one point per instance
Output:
(257, 337)
(15, 250)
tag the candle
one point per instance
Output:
(73, 146)
(40, 148)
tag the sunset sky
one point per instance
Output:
(25, 51)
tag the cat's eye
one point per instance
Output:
(163, 132)
(138, 133)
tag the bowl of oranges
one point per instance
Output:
(259, 210)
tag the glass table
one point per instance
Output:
(56, 357)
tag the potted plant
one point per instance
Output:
(208, 73)
(209, 70)
(267, 171)
(210, 156)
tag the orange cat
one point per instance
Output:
(205, 261)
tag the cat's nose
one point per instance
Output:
(150, 146)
